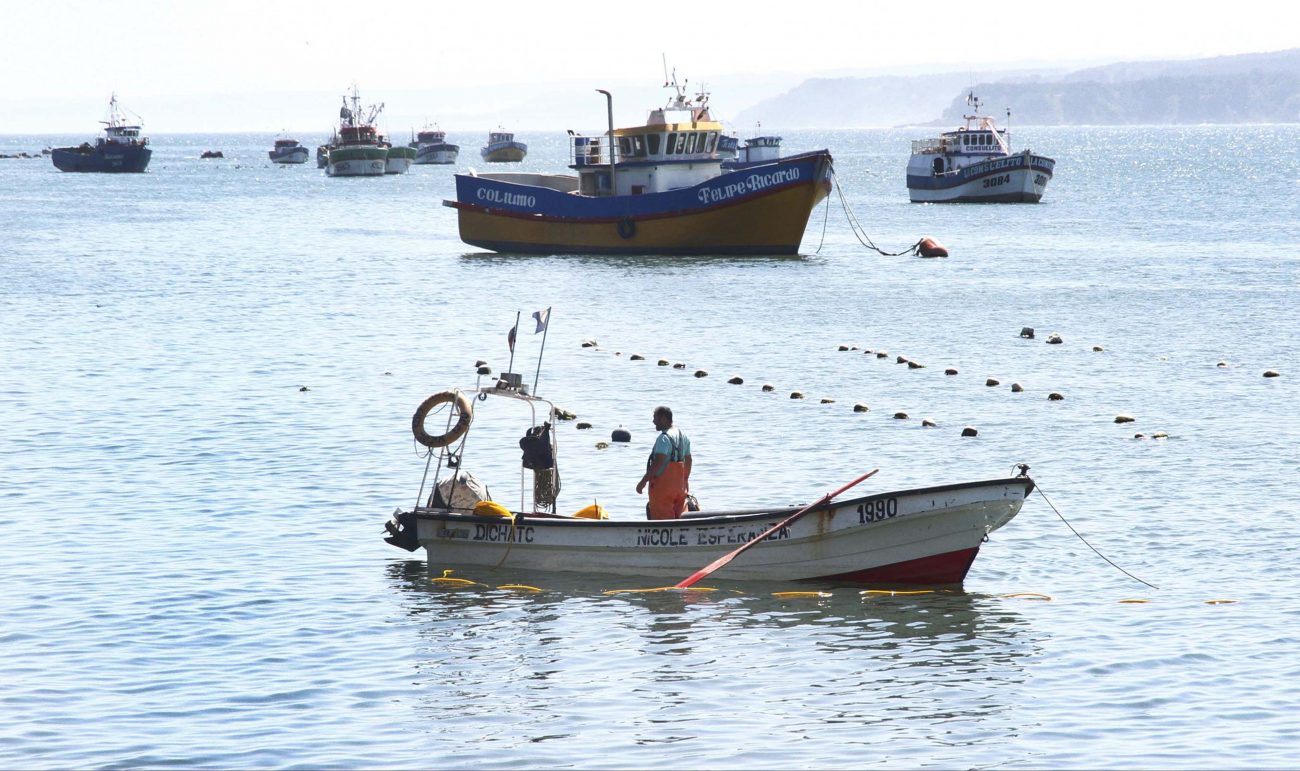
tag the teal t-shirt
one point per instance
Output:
(672, 443)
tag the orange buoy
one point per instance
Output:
(928, 247)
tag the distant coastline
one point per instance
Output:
(1243, 89)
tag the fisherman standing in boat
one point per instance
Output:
(668, 471)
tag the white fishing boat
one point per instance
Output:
(288, 151)
(927, 535)
(431, 146)
(975, 164)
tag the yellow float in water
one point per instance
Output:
(447, 580)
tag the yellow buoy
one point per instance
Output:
(492, 509)
(594, 511)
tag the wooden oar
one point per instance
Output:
(723, 560)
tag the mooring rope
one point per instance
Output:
(1039, 487)
(860, 232)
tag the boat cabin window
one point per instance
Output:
(681, 144)
(653, 140)
(671, 143)
(713, 142)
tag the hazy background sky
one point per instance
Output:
(195, 65)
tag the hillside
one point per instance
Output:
(1250, 88)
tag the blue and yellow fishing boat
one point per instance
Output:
(658, 188)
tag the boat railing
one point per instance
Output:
(922, 146)
(592, 151)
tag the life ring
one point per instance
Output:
(460, 404)
(626, 228)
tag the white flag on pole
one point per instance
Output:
(543, 318)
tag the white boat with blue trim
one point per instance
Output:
(974, 164)
(431, 146)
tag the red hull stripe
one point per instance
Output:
(949, 568)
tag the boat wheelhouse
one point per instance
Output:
(357, 152)
(975, 164)
(123, 148)
(502, 148)
(654, 188)
(755, 150)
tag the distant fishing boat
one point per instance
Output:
(756, 150)
(974, 164)
(399, 159)
(728, 147)
(658, 188)
(358, 152)
(122, 148)
(431, 147)
(502, 148)
(287, 151)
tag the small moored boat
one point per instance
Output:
(431, 146)
(658, 188)
(927, 535)
(756, 150)
(122, 148)
(502, 148)
(974, 164)
(399, 157)
(287, 151)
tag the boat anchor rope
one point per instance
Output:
(1038, 485)
(924, 247)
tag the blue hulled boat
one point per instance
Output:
(122, 148)
(657, 188)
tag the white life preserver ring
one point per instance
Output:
(460, 404)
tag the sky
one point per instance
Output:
(195, 65)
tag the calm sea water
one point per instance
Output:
(193, 571)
